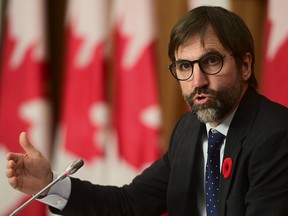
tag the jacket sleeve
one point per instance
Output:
(146, 195)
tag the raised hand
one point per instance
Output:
(29, 172)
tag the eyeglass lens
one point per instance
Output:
(209, 64)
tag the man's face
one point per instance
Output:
(211, 97)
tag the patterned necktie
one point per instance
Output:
(213, 171)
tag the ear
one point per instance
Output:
(246, 66)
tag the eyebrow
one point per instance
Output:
(209, 52)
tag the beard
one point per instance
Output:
(221, 103)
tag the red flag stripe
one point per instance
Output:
(274, 82)
(24, 102)
(138, 137)
(84, 111)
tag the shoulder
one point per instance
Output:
(271, 113)
(256, 109)
(269, 124)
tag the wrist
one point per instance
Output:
(47, 182)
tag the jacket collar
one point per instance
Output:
(238, 130)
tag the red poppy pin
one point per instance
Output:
(227, 167)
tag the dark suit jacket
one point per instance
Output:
(257, 142)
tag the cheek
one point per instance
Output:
(186, 87)
(225, 80)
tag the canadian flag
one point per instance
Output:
(221, 3)
(84, 114)
(137, 111)
(24, 102)
(275, 70)
(85, 124)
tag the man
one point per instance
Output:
(212, 56)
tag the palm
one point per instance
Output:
(29, 172)
(33, 172)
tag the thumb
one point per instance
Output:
(27, 146)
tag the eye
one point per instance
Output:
(183, 65)
(211, 60)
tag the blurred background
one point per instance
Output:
(89, 79)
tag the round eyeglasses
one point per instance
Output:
(210, 63)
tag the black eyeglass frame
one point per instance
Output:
(199, 63)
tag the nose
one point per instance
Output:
(199, 79)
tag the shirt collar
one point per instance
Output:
(224, 126)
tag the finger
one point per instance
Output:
(13, 162)
(13, 156)
(9, 173)
(26, 145)
(12, 169)
(10, 164)
(14, 183)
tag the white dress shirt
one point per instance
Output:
(58, 194)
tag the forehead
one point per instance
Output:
(198, 45)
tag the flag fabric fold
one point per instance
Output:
(85, 125)
(137, 111)
(275, 72)
(84, 111)
(24, 92)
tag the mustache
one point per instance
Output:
(201, 90)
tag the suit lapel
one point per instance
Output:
(237, 133)
(186, 171)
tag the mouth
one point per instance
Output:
(201, 99)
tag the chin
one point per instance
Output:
(207, 115)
